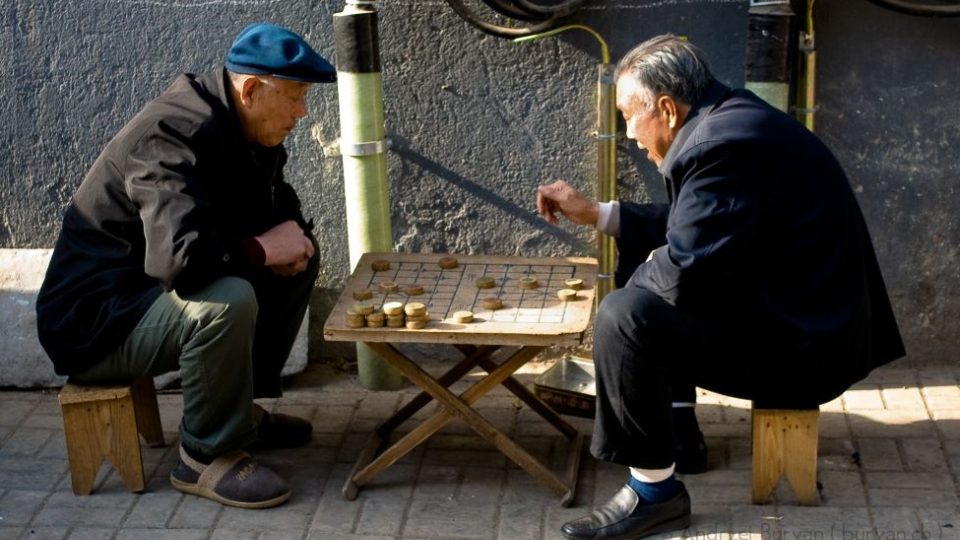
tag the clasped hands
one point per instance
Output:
(287, 249)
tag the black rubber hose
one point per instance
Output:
(508, 9)
(501, 31)
(923, 10)
(561, 9)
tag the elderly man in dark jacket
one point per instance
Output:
(185, 249)
(757, 280)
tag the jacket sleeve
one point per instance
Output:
(642, 228)
(184, 249)
(715, 215)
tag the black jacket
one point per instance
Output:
(763, 236)
(171, 203)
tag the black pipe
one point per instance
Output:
(920, 9)
(562, 9)
(508, 9)
(501, 31)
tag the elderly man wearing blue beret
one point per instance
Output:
(185, 249)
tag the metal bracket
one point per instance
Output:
(364, 148)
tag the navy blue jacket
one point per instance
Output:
(764, 237)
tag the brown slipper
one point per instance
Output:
(277, 430)
(233, 479)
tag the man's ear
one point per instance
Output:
(247, 89)
(668, 110)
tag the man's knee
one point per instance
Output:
(228, 298)
(629, 307)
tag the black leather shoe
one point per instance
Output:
(624, 518)
(691, 454)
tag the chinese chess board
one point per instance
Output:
(528, 316)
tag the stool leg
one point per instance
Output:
(785, 442)
(147, 411)
(83, 446)
(120, 441)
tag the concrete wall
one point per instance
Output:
(478, 122)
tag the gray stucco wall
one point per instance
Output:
(478, 122)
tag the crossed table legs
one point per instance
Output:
(369, 463)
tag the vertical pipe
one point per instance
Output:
(768, 51)
(363, 146)
(606, 171)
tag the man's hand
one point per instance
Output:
(560, 198)
(286, 247)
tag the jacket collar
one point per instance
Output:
(711, 98)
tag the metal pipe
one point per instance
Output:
(808, 107)
(768, 51)
(606, 151)
(363, 147)
(606, 172)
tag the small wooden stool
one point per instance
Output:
(785, 442)
(102, 422)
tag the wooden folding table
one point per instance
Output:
(531, 318)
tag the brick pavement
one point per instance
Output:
(889, 454)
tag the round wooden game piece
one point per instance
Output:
(388, 287)
(463, 317)
(424, 317)
(573, 283)
(413, 290)
(567, 294)
(448, 262)
(354, 319)
(529, 283)
(393, 308)
(486, 282)
(416, 325)
(395, 321)
(491, 303)
(415, 309)
(376, 320)
(363, 308)
(362, 294)
(379, 265)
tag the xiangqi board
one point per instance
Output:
(527, 290)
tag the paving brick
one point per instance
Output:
(897, 524)
(292, 516)
(13, 412)
(835, 455)
(444, 518)
(27, 474)
(19, 507)
(879, 455)
(195, 513)
(10, 533)
(923, 455)
(333, 513)
(903, 398)
(91, 533)
(907, 480)
(45, 533)
(833, 426)
(866, 397)
(914, 497)
(948, 422)
(155, 507)
(162, 534)
(939, 524)
(25, 441)
(227, 533)
(382, 516)
(97, 510)
(841, 488)
(892, 423)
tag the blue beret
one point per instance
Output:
(262, 49)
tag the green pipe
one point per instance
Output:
(363, 147)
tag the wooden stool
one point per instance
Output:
(785, 442)
(102, 422)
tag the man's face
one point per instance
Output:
(275, 106)
(647, 123)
